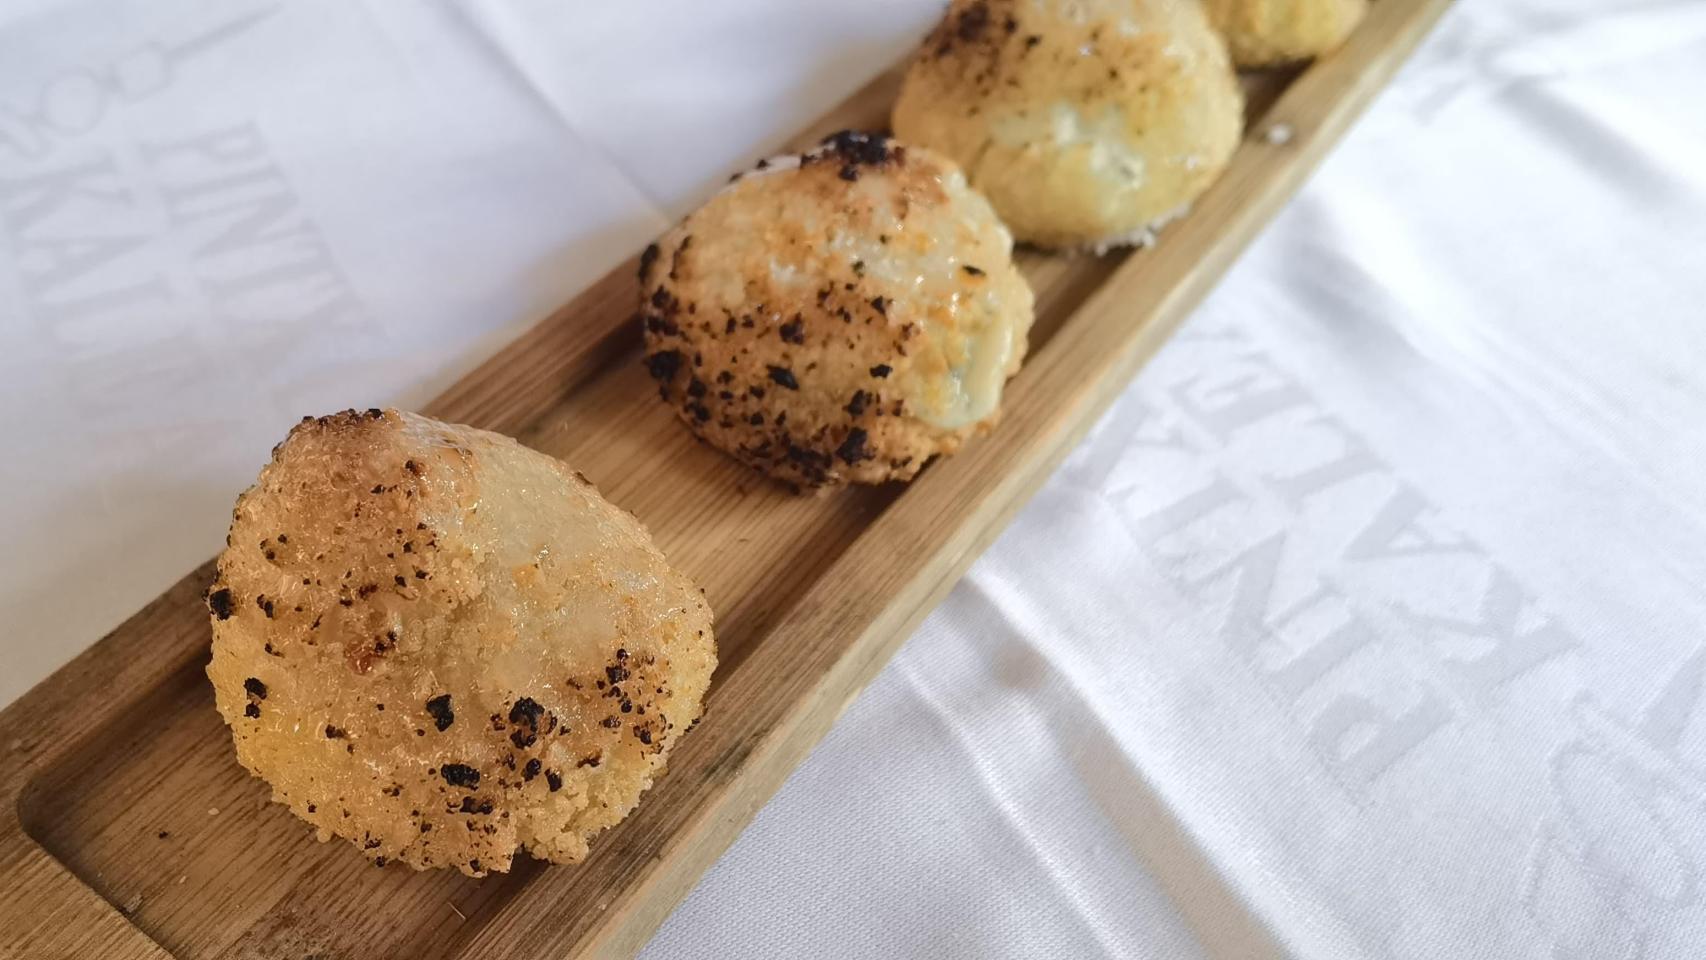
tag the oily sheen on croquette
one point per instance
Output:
(838, 316)
(445, 647)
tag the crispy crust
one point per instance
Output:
(444, 647)
(1084, 121)
(841, 316)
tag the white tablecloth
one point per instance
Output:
(1368, 624)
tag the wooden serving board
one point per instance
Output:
(128, 830)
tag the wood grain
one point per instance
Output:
(129, 831)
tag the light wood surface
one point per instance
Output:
(128, 830)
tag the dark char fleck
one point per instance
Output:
(219, 601)
(460, 775)
(853, 449)
(664, 364)
(441, 712)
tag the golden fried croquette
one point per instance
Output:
(445, 647)
(1261, 33)
(838, 316)
(1087, 123)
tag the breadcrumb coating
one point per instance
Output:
(444, 647)
(839, 316)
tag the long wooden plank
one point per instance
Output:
(871, 599)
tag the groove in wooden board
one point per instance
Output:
(804, 626)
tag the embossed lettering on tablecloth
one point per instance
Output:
(1324, 576)
(123, 235)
